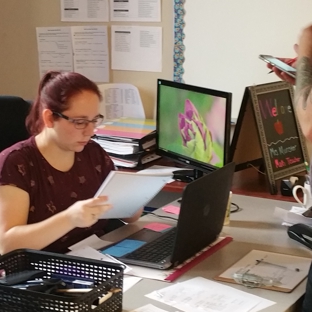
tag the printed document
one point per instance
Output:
(135, 10)
(129, 191)
(84, 11)
(292, 216)
(54, 49)
(202, 295)
(90, 47)
(121, 100)
(137, 48)
(148, 308)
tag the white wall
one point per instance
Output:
(223, 39)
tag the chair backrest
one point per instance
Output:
(13, 112)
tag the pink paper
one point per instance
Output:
(158, 227)
(171, 209)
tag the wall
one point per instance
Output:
(224, 38)
(18, 48)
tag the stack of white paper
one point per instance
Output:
(202, 295)
(292, 216)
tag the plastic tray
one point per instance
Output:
(106, 275)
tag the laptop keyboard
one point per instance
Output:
(156, 250)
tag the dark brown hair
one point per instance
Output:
(55, 91)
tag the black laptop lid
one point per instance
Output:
(202, 212)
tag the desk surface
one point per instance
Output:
(245, 182)
(254, 227)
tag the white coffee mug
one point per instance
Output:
(307, 198)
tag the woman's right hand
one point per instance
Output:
(85, 213)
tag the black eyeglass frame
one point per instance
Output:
(81, 123)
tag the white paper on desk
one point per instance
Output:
(91, 241)
(202, 295)
(137, 48)
(149, 273)
(292, 216)
(121, 100)
(91, 253)
(129, 281)
(148, 308)
(87, 252)
(161, 170)
(129, 191)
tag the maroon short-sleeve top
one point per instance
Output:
(52, 191)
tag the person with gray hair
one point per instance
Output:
(303, 107)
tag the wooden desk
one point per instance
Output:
(245, 182)
(249, 182)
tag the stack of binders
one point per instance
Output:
(130, 142)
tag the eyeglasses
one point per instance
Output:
(81, 123)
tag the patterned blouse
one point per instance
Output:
(50, 190)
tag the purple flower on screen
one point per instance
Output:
(195, 135)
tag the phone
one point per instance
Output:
(291, 71)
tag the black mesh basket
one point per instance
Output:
(106, 275)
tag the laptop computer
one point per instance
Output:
(200, 222)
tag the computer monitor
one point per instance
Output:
(193, 127)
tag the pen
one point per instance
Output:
(288, 62)
(269, 263)
(274, 264)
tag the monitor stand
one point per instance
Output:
(187, 175)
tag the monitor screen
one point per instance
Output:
(193, 125)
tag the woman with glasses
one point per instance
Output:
(47, 182)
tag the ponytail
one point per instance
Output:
(54, 92)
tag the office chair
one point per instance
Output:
(13, 112)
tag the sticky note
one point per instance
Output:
(123, 247)
(158, 227)
(171, 209)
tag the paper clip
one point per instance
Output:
(252, 280)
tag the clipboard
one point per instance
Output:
(279, 272)
(129, 191)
